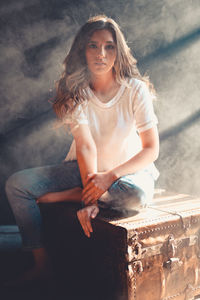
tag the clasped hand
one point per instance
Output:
(96, 185)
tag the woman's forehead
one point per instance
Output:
(102, 35)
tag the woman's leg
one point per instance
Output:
(23, 188)
(73, 194)
(130, 192)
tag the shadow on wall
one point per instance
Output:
(174, 130)
(35, 38)
(170, 49)
(35, 56)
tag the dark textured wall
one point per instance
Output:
(35, 36)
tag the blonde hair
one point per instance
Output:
(75, 78)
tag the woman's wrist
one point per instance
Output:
(113, 175)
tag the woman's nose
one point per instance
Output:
(101, 52)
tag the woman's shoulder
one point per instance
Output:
(135, 85)
(134, 82)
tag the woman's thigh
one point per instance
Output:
(132, 191)
(25, 186)
(37, 181)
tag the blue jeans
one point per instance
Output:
(24, 187)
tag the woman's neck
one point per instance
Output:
(104, 87)
(103, 83)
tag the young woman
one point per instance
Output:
(108, 106)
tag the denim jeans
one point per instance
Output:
(24, 187)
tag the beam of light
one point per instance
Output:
(178, 128)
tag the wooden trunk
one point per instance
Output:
(162, 249)
(153, 255)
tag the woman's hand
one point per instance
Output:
(96, 185)
(84, 215)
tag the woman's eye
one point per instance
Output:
(92, 46)
(110, 47)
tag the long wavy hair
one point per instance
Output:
(70, 88)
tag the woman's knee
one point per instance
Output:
(134, 196)
(16, 182)
(127, 196)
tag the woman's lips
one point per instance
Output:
(99, 63)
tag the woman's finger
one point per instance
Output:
(87, 193)
(92, 192)
(85, 222)
(92, 196)
(90, 199)
(88, 187)
(94, 212)
(89, 225)
(82, 222)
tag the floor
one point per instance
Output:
(12, 263)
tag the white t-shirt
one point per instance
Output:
(115, 125)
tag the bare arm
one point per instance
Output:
(87, 160)
(100, 182)
(85, 151)
(148, 154)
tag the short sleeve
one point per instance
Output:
(77, 117)
(143, 110)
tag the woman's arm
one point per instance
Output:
(148, 154)
(86, 151)
(100, 182)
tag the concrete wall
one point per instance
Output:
(35, 37)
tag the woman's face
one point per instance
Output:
(101, 52)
